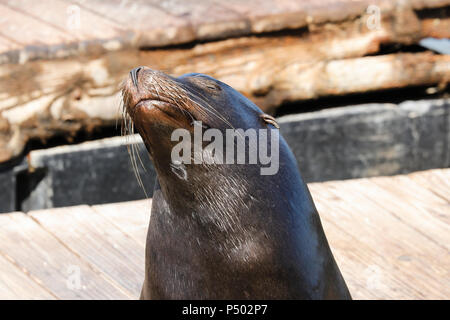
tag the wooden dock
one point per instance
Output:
(390, 237)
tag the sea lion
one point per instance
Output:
(224, 231)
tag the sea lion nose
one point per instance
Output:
(134, 75)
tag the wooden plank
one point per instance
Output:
(431, 196)
(437, 181)
(428, 261)
(164, 28)
(28, 30)
(414, 206)
(16, 285)
(270, 69)
(209, 19)
(433, 186)
(76, 24)
(265, 16)
(122, 12)
(131, 217)
(51, 264)
(99, 242)
(386, 245)
(176, 21)
(409, 255)
(368, 274)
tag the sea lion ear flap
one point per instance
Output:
(271, 120)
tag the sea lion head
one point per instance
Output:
(157, 104)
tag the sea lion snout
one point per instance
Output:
(144, 83)
(139, 77)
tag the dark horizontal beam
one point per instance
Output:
(332, 144)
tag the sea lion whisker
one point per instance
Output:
(184, 97)
(137, 146)
(157, 91)
(119, 110)
(120, 106)
(213, 111)
(124, 128)
(204, 100)
(128, 130)
(135, 169)
(125, 116)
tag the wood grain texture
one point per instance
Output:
(73, 27)
(17, 285)
(50, 263)
(130, 217)
(412, 244)
(99, 242)
(389, 236)
(273, 52)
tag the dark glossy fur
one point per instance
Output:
(226, 232)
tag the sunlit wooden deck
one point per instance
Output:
(390, 237)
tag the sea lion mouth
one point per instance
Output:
(152, 96)
(152, 104)
(147, 88)
(156, 107)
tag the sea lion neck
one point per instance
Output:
(198, 189)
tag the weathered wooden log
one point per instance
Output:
(31, 31)
(318, 53)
